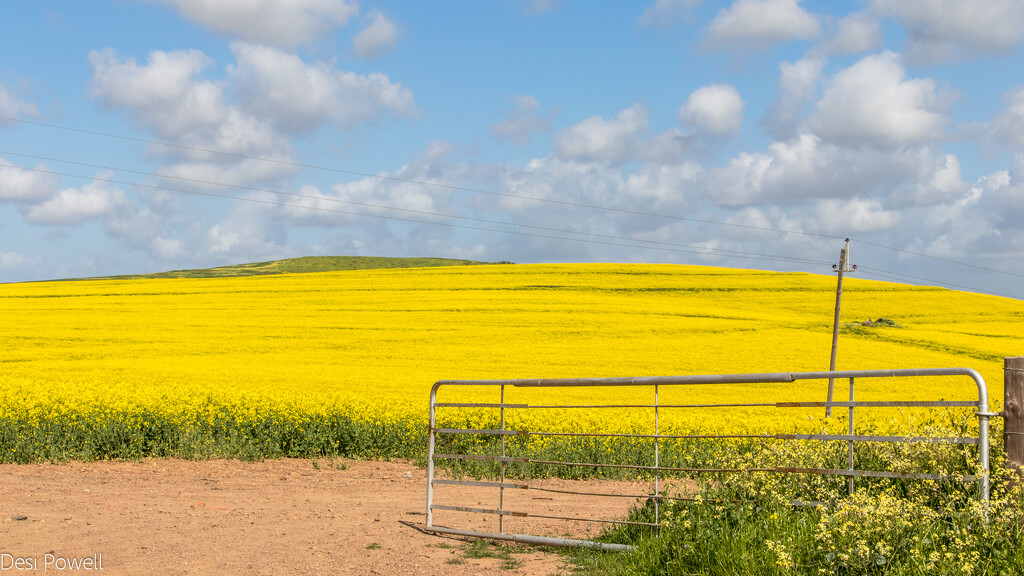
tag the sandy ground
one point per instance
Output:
(275, 517)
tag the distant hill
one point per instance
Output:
(304, 264)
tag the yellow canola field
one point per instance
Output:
(371, 343)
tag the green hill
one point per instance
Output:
(302, 265)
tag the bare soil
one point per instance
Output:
(274, 517)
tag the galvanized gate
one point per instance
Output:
(501, 512)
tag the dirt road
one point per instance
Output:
(282, 517)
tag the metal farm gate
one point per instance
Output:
(455, 488)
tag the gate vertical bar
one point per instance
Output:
(501, 491)
(430, 456)
(657, 446)
(850, 428)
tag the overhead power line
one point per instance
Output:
(901, 277)
(419, 182)
(1008, 273)
(493, 193)
(675, 247)
(703, 249)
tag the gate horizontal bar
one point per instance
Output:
(763, 404)
(627, 522)
(487, 431)
(479, 510)
(763, 378)
(528, 515)
(658, 436)
(539, 540)
(874, 474)
(481, 457)
(659, 468)
(553, 490)
(880, 404)
(477, 405)
(598, 434)
(606, 494)
(484, 484)
(863, 438)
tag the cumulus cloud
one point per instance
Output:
(858, 32)
(522, 121)
(793, 171)
(941, 29)
(284, 23)
(76, 205)
(1007, 127)
(10, 260)
(41, 201)
(378, 38)
(625, 138)
(595, 138)
(762, 23)
(266, 98)
(20, 185)
(12, 107)
(168, 96)
(297, 97)
(854, 215)
(717, 109)
(250, 232)
(873, 103)
(797, 82)
(347, 203)
(662, 12)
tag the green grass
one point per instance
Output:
(302, 265)
(476, 549)
(747, 525)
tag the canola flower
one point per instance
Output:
(342, 362)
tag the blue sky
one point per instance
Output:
(754, 133)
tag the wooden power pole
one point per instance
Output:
(844, 261)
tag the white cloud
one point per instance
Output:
(625, 138)
(74, 206)
(792, 171)
(168, 96)
(872, 103)
(521, 122)
(251, 232)
(595, 138)
(10, 260)
(797, 82)
(858, 32)
(941, 29)
(285, 23)
(40, 200)
(278, 97)
(369, 196)
(378, 38)
(854, 215)
(1007, 127)
(11, 107)
(662, 12)
(20, 185)
(717, 108)
(298, 97)
(762, 23)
